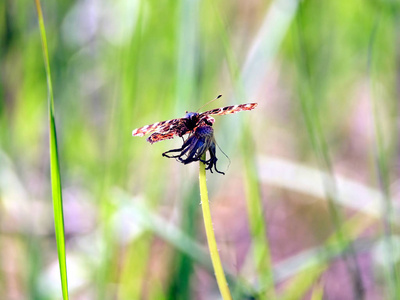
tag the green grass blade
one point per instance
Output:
(383, 160)
(181, 276)
(318, 262)
(298, 287)
(318, 292)
(310, 98)
(54, 163)
(257, 223)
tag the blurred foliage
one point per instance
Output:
(326, 77)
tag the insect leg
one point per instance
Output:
(191, 150)
(213, 159)
(173, 150)
(183, 149)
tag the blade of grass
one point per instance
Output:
(299, 178)
(258, 226)
(186, 79)
(212, 244)
(297, 288)
(182, 273)
(138, 213)
(309, 95)
(246, 79)
(318, 291)
(318, 260)
(54, 163)
(133, 271)
(263, 50)
(382, 161)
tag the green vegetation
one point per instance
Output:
(54, 162)
(307, 208)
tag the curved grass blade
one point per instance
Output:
(54, 163)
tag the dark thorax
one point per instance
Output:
(191, 120)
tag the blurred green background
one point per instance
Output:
(311, 192)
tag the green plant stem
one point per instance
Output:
(258, 226)
(212, 244)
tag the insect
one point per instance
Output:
(199, 128)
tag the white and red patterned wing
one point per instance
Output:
(160, 127)
(157, 137)
(230, 109)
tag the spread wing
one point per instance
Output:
(160, 127)
(230, 109)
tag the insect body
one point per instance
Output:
(199, 128)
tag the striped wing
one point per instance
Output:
(230, 109)
(163, 127)
(157, 137)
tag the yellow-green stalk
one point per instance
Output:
(212, 244)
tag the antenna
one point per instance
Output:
(219, 96)
(224, 154)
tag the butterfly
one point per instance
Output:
(199, 128)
